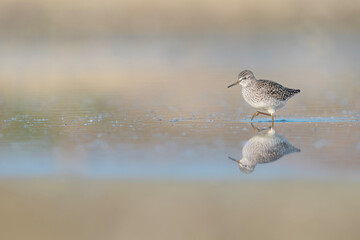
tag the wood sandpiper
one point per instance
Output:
(264, 147)
(264, 95)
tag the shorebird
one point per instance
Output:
(264, 147)
(264, 95)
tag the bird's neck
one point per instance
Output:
(248, 82)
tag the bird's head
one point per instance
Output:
(244, 78)
(245, 165)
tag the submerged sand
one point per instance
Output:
(51, 208)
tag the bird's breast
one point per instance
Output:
(254, 98)
(260, 100)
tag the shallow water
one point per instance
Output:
(98, 138)
(105, 142)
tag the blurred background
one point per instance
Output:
(116, 122)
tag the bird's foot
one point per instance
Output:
(254, 115)
(261, 129)
(257, 113)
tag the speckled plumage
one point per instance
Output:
(267, 95)
(264, 147)
(274, 90)
(262, 94)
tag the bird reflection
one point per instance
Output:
(267, 146)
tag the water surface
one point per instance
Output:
(131, 139)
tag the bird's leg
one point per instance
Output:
(255, 127)
(272, 118)
(254, 115)
(258, 129)
(257, 113)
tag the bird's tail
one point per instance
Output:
(293, 91)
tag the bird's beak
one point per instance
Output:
(235, 83)
(235, 160)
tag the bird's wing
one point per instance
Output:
(276, 90)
